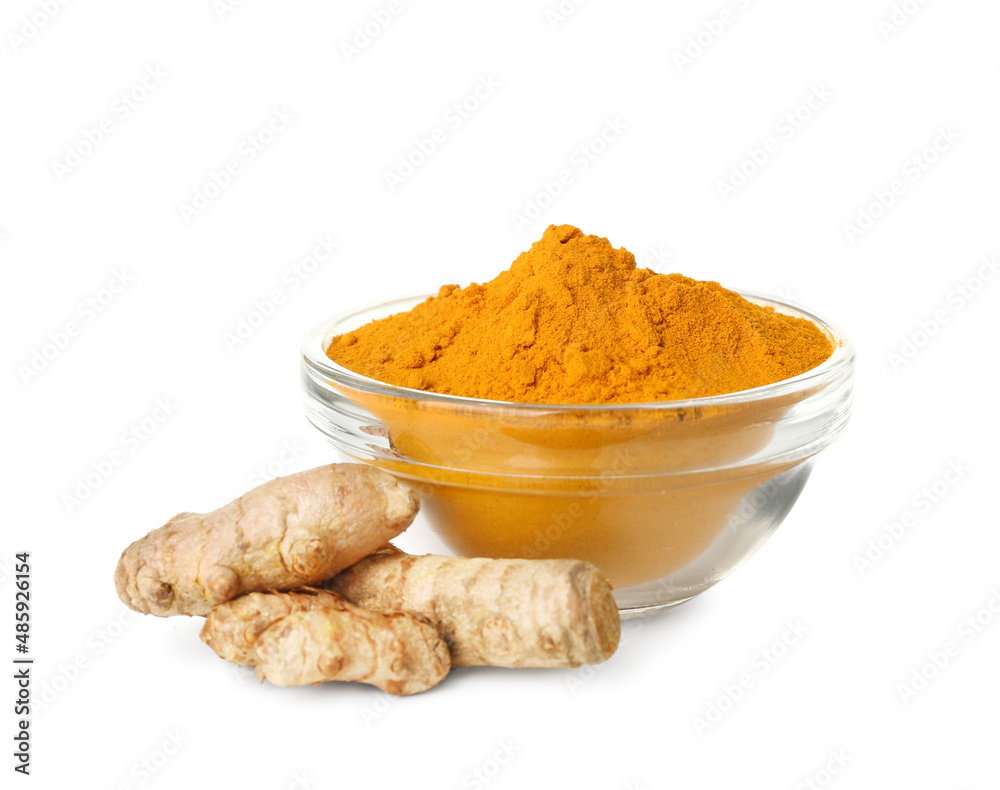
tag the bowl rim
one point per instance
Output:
(318, 338)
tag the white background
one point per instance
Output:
(119, 688)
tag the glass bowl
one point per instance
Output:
(665, 498)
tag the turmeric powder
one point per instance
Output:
(574, 321)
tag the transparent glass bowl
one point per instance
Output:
(666, 498)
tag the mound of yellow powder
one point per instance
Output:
(573, 321)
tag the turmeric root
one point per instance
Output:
(297, 638)
(505, 613)
(290, 532)
(232, 629)
(396, 652)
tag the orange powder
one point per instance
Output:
(574, 321)
(643, 493)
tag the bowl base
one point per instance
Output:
(760, 513)
(634, 612)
